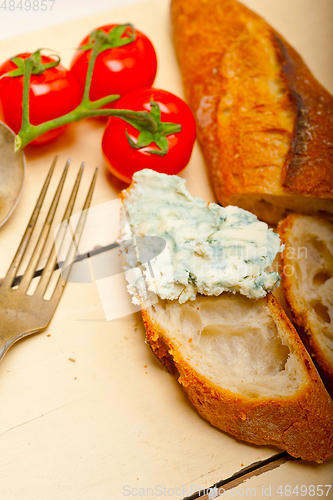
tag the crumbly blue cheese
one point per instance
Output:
(209, 249)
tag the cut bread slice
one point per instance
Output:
(245, 370)
(307, 264)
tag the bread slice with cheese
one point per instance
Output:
(264, 123)
(307, 265)
(239, 359)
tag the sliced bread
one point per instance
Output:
(307, 264)
(245, 370)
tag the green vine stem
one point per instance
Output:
(148, 123)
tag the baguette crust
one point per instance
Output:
(301, 423)
(299, 299)
(309, 170)
(264, 123)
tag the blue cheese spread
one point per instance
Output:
(209, 249)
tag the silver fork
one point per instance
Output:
(22, 314)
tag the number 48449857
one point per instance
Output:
(35, 5)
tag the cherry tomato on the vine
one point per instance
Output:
(124, 160)
(52, 94)
(118, 70)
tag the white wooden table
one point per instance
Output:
(114, 421)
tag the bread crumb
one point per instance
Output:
(145, 366)
(242, 465)
(75, 378)
(48, 335)
(190, 340)
(72, 357)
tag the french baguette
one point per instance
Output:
(245, 370)
(307, 264)
(264, 123)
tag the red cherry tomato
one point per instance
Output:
(118, 70)
(52, 94)
(124, 160)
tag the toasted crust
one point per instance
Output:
(301, 423)
(264, 122)
(300, 298)
(309, 170)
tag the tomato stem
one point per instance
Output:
(95, 52)
(148, 123)
(26, 86)
(86, 108)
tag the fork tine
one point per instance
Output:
(30, 271)
(11, 273)
(51, 262)
(74, 246)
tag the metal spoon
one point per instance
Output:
(12, 170)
